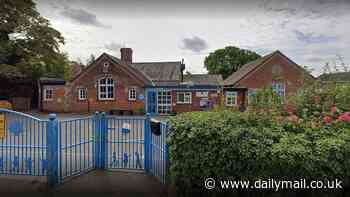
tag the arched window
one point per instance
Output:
(106, 89)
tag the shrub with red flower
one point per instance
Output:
(344, 117)
(327, 120)
(293, 119)
(334, 110)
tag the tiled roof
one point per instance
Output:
(339, 77)
(52, 81)
(160, 71)
(203, 79)
(138, 72)
(245, 69)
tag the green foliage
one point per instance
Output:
(251, 146)
(28, 42)
(320, 97)
(228, 60)
(266, 101)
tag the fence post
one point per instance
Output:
(96, 152)
(166, 154)
(103, 142)
(147, 143)
(53, 150)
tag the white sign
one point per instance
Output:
(202, 94)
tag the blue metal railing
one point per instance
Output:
(125, 144)
(77, 138)
(159, 154)
(23, 145)
(60, 149)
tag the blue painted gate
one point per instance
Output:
(60, 149)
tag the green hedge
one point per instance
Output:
(244, 147)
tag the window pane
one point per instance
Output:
(180, 97)
(109, 81)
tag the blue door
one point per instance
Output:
(152, 102)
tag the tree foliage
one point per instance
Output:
(28, 42)
(228, 60)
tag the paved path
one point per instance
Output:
(95, 183)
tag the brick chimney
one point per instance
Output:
(126, 55)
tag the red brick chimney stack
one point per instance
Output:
(126, 55)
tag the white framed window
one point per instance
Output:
(106, 89)
(231, 98)
(48, 94)
(251, 95)
(184, 97)
(82, 94)
(164, 101)
(279, 88)
(132, 94)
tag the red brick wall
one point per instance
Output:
(58, 101)
(89, 80)
(278, 68)
(213, 96)
(241, 96)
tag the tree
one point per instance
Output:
(228, 60)
(28, 43)
(90, 60)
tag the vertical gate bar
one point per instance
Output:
(59, 134)
(75, 146)
(84, 141)
(41, 148)
(70, 149)
(29, 143)
(6, 151)
(147, 142)
(66, 148)
(53, 151)
(165, 149)
(89, 141)
(118, 142)
(80, 145)
(123, 144)
(10, 166)
(104, 133)
(96, 139)
(37, 147)
(21, 166)
(134, 141)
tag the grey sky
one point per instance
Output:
(311, 32)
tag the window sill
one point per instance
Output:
(184, 103)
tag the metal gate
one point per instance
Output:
(60, 149)
(23, 144)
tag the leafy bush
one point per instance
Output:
(320, 97)
(246, 146)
